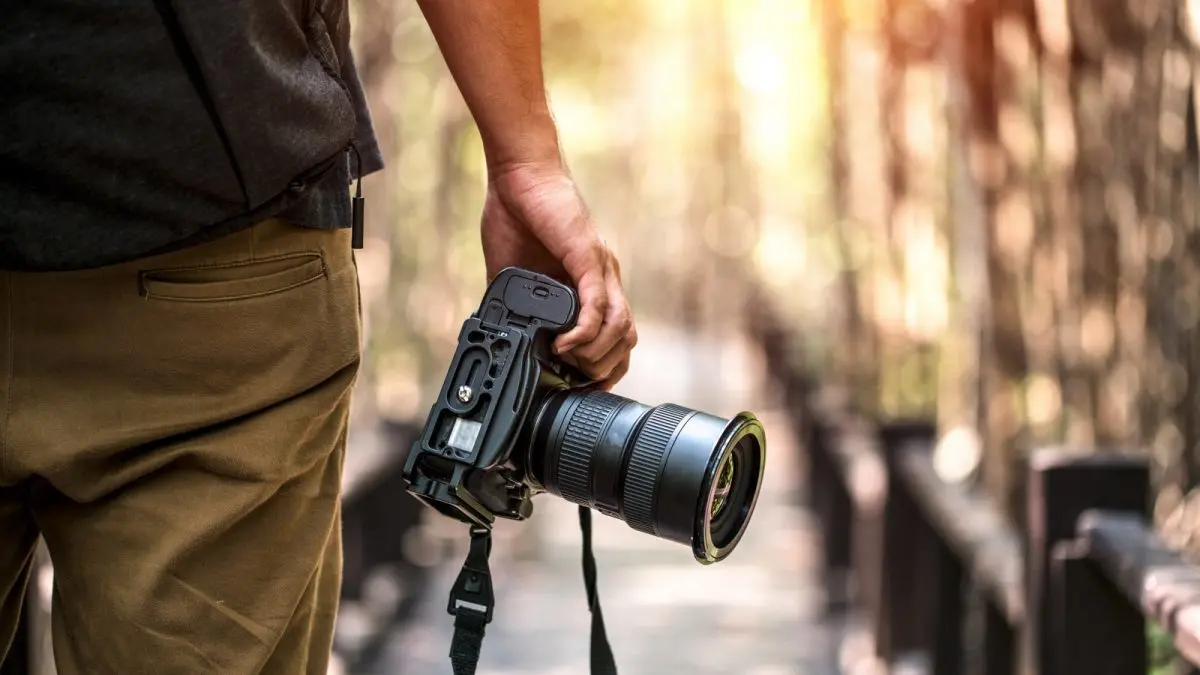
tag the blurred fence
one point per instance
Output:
(943, 581)
(1014, 192)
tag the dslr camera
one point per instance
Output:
(513, 420)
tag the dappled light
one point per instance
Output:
(941, 257)
(979, 213)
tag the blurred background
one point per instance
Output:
(983, 212)
(977, 211)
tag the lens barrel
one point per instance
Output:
(669, 471)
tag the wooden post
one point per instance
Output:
(833, 510)
(998, 643)
(948, 641)
(1095, 630)
(901, 624)
(1062, 485)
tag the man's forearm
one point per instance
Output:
(493, 49)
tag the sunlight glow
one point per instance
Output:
(926, 311)
(1043, 399)
(760, 69)
(781, 255)
(579, 119)
(1191, 20)
(957, 454)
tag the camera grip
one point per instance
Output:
(527, 299)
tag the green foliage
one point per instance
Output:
(1162, 653)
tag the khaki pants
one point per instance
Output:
(175, 427)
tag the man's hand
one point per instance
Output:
(533, 217)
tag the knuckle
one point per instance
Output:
(618, 372)
(591, 321)
(596, 251)
(588, 354)
(626, 322)
(587, 359)
(596, 308)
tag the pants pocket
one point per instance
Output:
(232, 281)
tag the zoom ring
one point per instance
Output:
(582, 437)
(645, 465)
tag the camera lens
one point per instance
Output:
(669, 471)
(725, 476)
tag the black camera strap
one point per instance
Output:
(603, 662)
(472, 602)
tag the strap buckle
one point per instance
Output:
(472, 591)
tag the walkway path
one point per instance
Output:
(754, 614)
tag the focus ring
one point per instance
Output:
(645, 464)
(585, 429)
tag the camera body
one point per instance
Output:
(463, 464)
(512, 420)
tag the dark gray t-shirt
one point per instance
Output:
(108, 146)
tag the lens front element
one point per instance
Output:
(725, 476)
(733, 489)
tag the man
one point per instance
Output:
(178, 308)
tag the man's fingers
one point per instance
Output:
(588, 269)
(604, 334)
(593, 302)
(601, 357)
(604, 367)
(617, 374)
(618, 321)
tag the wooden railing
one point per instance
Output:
(940, 576)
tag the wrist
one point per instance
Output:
(531, 142)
